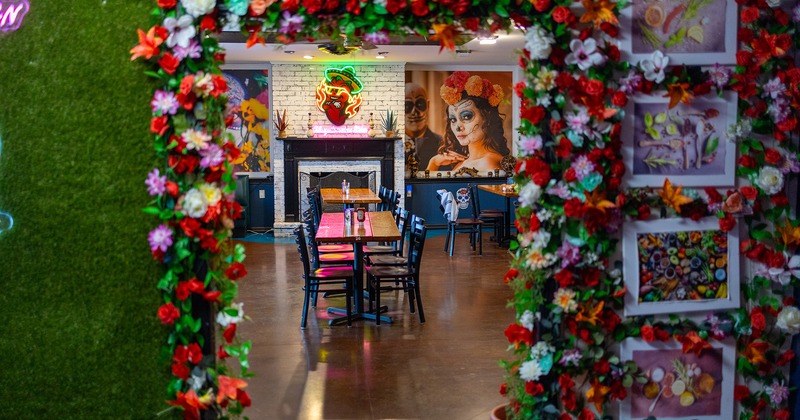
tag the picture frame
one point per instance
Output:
(704, 36)
(688, 144)
(679, 266)
(666, 364)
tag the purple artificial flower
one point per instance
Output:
(212, 155)
(291, 24)
(192, 51)
(571, 357)
(777, 392)
(579, 123)
(156, 183)
(378, 38)
(165, 103)
(630, 83)
(774, 88)
(790, 164)
(796, 13)
(582, 166)
(569, 254)
(529, 145)
(160, 238)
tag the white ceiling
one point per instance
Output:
(503, 53)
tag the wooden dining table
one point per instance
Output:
(356, 196)
(509, 192)
(378, 226)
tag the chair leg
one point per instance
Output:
(377, 288)
(419, 301)
(411, 293)
(306, 298)
(452, 240)
(447, 238)
(480, 241)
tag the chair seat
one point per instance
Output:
(335, 248)
(378, 248)
(490, 213)
(468, 222)
(335, 257)
(388, 271)
(379, 260)
(332, 273)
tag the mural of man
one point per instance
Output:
(425, 141)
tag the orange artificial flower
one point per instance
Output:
(678, 92)
(693, 342)
(597, 394)
(446, 34)
(597, 200)
(593, 313)
(672, 196)
(754, 352)
(790, 235)
(190, 403)
(148, 44)
(255, 39)
(228, 387)
(598, 12)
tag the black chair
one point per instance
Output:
(493, 217)
(396, 248)
(406, 278)
(473, 226)
(318, 258)
(315, 204)
(325, 248)
(318, 279)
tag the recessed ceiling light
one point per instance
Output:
(489, 40)
(382, 54)
(288, 51)
(308, 57)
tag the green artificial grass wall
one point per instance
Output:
(79, 336)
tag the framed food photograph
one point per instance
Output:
(679, 266)
(691, 32)
(687, 144)
(680, 385)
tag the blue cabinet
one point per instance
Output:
(262, 204)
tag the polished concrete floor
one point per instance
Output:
(446, 368)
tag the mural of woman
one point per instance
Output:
(475, 138)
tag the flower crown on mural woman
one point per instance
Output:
(475, 138)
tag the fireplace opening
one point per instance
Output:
(309, 180)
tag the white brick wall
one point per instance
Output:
(293, 88)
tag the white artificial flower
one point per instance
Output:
(529, 194)
(540, 239)
(212, 193)
(538, 42)
(195, 203)
(541, 349)
(224, 319)
(789, 319)
(530, 371)
(584, 53)
(770, 180)
(181, 31)
(527, 319)
(544, 215)
(565, 298)
(195, 139)
(199, 8)
(653, 67)
(774, 3)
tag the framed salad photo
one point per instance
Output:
(679, 266)
(687, 144)
(680, 385)
(691, 32)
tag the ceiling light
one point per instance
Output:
(488, 40)
(288, 51)
(382, 54)
(308, 57)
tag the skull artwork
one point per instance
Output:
(338, 94)
(462, 197)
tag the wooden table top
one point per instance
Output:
(379, 226)
(356, 196)
(500, 189)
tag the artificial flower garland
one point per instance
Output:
(567, 290)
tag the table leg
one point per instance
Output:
(358, 293)
(507, 221)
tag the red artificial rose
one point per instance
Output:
(591, 277)
(208, 23)
(517, 334)
(777, 260)
(533, 388)
(541, 5)
(662, 335)
(619, 99)
(561, 14)
(565, 81)
(727, 223)
(180, 370)
(538, 170)
(394, 6)
(780, 199)
(569, 400)
(757, 319)
(744, 58)
(181, 354)
(564, 148)
(212, 296)
(594, 87)
(574, 208)
(182, 292)
(236, 271)
(647, 333)
(167, 4)
(714, 196)
(741, 392)
(611, 29)
(243, 397)
(503, 389)
(556, 125)
(565, 382)
(535, 223)
(643, 213)
(473, 23)
(229, 333)
(614, 182)
(586, 414)
(570, 175)
(220, 85)
(564, 278)
(750, 14)
(613, 53)
(158, 125)
(781, 17)
(586, 336)
(782, 414)
(169, 63)
(749, 192)
(533, 114)
(168, 313)
(745, 35)
(617, 168)
(195, 353)
(773, 156)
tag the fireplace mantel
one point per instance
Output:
(333, 149)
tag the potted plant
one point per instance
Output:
(389, 122)
(281, 123)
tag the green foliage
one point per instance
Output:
(389, 120)
(78, 300)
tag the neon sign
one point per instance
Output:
(341, 131)
(6, 222)
(11, 14)
(339, 94)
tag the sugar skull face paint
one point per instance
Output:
(466, 121)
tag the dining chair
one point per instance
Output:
(473, 225)
(396, 248)
(316, 280)
(325, 248)
(405, 277)
(318, 258)
(493, 217)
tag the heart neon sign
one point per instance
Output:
(11, 14)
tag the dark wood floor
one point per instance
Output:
(444, 369)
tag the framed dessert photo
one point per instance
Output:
(680, 385)
(693, 32)
(687, 144)
(680, 266)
